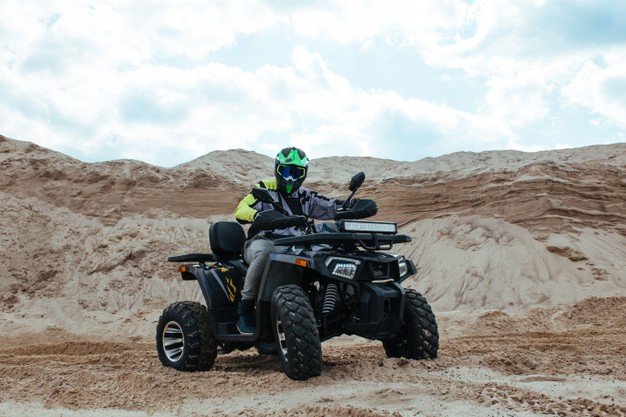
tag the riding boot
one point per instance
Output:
(246, 323)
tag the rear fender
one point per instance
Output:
(200, 273)
(221, 287)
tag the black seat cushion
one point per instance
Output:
(227, 239)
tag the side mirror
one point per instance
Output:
(262, 195)
(357, 181)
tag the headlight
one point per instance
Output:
(344, 270)
(403, 266)
(344, 267)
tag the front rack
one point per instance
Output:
(369, 241)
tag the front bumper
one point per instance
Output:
(381, 307)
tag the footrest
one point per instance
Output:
(228, 332)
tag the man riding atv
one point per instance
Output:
(310, 281)
(290, 171)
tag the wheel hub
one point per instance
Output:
(173, 341)
(282, 343)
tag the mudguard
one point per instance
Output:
(221, 286)
(281, 269)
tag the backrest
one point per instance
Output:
(227, 239)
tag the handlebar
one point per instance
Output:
(272, 219)
(359, 209)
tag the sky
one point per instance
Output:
(165, 82)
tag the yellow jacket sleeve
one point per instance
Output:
(244, 213)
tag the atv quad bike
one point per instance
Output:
(337, 278)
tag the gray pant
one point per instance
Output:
(256, 252)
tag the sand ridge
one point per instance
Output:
(521, 255)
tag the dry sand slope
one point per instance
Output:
(510, 247)
(559, 361)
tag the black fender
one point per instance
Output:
(201, 276)
(221, 288)
(282, 269)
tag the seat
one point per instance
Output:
(227, 240)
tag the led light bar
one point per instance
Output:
(368, 227)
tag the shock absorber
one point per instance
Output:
(330, 299)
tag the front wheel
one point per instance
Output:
(184, 338)
(266, 348)
(295, 331)
(418, 338)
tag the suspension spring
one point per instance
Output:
(330, 298)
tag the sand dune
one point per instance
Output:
(510, 247)
(516, 230)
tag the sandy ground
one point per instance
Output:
(568, 361)
(522, 257)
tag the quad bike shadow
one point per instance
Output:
(336, 278)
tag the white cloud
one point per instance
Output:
(527, 51)
(533, 52)
(122, 33)
(139, 79)
(152, 113)
(603, 90)
(397, 21)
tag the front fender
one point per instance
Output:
(282, 269)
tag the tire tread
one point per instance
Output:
(304, 350)
(200, 343)
(419, 335)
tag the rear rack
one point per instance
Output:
(194, 257)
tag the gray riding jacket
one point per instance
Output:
(301, 202)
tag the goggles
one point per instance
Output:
(291, 172)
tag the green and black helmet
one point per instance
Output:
(290, 169)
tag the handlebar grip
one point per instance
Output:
(359, 209)
(271, 220)
(284, 223)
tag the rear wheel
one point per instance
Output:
(184, 338)
(418, 338)
(295, 331)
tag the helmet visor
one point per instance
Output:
(291, 172)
